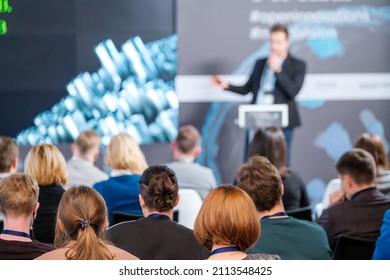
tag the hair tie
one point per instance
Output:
(85, 223)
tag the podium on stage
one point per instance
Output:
(262, 116)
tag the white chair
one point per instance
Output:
(189, 205)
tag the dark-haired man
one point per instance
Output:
(360, 207)
(290, 238)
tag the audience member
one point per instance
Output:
(271, 144)
(359, 209)
(227, 225)
(19, 203)
(48, 166)
(373, 144)
(81, 168)
(127, 162)
(191, 175)
(290, 238)
(157, 237)
(81, 223)
(382, 247)
(9, 154)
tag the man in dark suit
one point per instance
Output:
(276, 79)
(359, 208)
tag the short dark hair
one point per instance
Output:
(187, 139)
(261, 180)
(359, 164)
(158, 187)
(9, 150)
(279, 28)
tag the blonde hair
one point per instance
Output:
(87, 141)
(18, 194)
(83, 214)
(123, 152)
(47, 165)
(227, 217)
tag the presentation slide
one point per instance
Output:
(72, 65)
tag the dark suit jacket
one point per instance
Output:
(288, 84)
(360, 217)
(157, 238)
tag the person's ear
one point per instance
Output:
(96, 154)
(15, 164)
(141, 202)
(197, 151)
(105, 223)
(348, 181)
(73, 148)
(177, 200)
(61, 225)
(282, 189)
(36, 207)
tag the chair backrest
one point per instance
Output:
(304, 213)
(353, 248)
(189, 205)
(118, 217)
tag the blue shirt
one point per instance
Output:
(121, 194)
(382, 249)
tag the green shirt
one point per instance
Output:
(292, 239)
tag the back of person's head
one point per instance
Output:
(81, 223)
(279, 28)
(271, 144)
(123, 152)
(18, 195)
(9, 152)
(47, 165)
(188, 139)
(227, 217)
(373, 144)
(359, 165)
(159, 188)
(261, 180)
(87, 142)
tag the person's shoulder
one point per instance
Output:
(294, 57)
(120, 254)
(57, 254)
(120, 227)
(43, 246)
(306, 224)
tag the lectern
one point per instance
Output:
(262, 116)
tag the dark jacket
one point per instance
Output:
(288, 84)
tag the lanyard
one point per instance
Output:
(16, 233)
(224, 249)
(155, 215)
(278, 214)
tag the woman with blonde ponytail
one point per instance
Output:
(80, 229)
